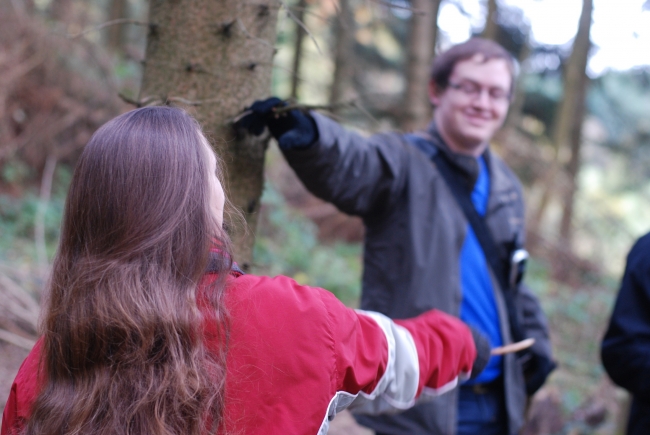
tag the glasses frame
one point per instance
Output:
(474, 90)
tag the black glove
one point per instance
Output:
(482, 352)
(536, 370)
(293, 129)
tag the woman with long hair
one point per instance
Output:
(149, 328)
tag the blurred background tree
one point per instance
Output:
(577, 134)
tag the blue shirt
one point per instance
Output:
(478, 307)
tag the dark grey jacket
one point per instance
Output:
(414, 234)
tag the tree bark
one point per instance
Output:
(115, 33)
(343, 52)
(423, 33)
(297, 48)
(220, 53)
(568, 125)
(517, 105)
(491, 29)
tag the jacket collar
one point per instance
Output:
(466, 165)
(501, 180)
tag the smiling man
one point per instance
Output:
(417, 194)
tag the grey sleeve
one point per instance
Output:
(358, 175)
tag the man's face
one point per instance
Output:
(474, 105)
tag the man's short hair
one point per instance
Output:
(444, 63)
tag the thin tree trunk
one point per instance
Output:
(297, 48)
(423, 33)
(568, 132)
(517, 105)
(115, 33)
(39, 220)
(220, 53)
(491, 29)
(343, 51)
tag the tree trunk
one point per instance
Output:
(297, 48)
(343, 52)
(423, 33)
(491, 29)
(220, 53)
(568, 125)
(517, 105)
(115, 33)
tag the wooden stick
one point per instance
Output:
(513, 347)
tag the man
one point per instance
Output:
(625, 349)
(420, 251)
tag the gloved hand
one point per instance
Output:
(293, 129)
(482, 352)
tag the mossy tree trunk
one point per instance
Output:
(218, 54)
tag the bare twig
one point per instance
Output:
(16, 340)
(39, 224)
(363, 110)
(303, 107)
(193, 103)
(249, 35)
(146, 101)
(154, 101)
(18, 302)
(301, 24)
(107, 24)
(394, 6)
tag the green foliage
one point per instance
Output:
(577, 318)
(18, 219)
(286, 244)
(15, 172)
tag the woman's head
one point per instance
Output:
(124, 350)
(145, 185)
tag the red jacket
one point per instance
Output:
(297, 356)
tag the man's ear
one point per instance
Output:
(434, 93)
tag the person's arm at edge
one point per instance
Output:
(625, 350)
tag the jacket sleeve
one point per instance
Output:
(11, 422)
(625, 349)
(386, 366)
(23, 393)
(354, 173)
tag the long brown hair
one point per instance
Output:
(123, 350)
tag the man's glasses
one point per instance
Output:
(474, 90)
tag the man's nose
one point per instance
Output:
(482, 99)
